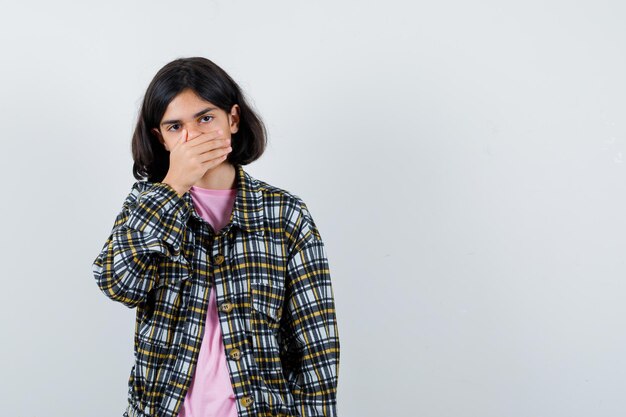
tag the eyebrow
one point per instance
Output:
(200, 113)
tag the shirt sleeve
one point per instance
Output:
(148, 230)
(309, 324)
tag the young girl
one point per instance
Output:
(228, 274)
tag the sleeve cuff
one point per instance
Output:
(161, 213)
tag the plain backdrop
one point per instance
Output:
(463, 160)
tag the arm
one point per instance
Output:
(150, 226)
(309, 324)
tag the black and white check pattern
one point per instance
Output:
(274, 296)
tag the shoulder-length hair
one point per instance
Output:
(212, 83)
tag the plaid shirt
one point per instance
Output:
(274, 299)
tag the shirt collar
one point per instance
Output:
(248, 213)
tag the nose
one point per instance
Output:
(192, 131)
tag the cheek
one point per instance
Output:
(170, 141)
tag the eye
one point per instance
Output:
(204, 117)
(171, 128)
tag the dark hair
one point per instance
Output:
(213, 84)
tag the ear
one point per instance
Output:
(234, 118)
(158, 135)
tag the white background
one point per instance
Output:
(464, 162)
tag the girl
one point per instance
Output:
(228, 274)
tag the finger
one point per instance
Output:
(215, 154)
(211, 145)
(208, 136)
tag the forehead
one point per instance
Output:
(185, 105)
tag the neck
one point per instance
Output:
(221, 177)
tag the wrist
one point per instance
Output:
(180, 189)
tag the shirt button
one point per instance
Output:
(226, 307)
(247, 400)
(235, 354)
(219, 259)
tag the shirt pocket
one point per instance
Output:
(164, 314)
(267, 304)
(151, 373)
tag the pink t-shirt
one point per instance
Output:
(211, 393)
